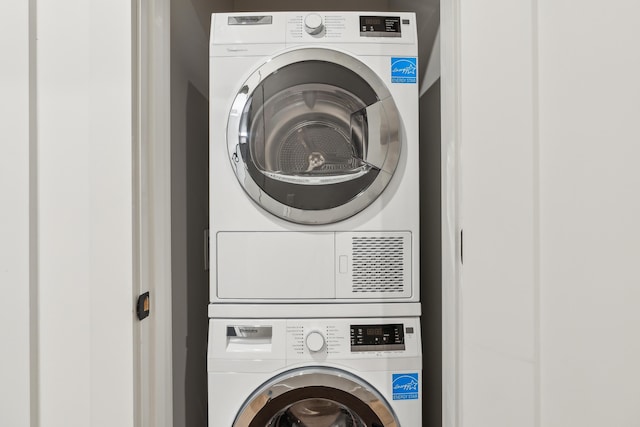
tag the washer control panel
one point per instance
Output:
(340, 338)
(313, 339)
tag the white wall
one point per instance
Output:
(66, 233)
(589, 213)
(86, 319)
(17, 278)
(498, 209)
(549, 137)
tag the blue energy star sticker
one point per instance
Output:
(405, 386)
(404, 70)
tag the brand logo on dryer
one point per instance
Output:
(404, 70)
(405, 386)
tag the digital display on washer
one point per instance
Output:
(388, 337)
(380, 26)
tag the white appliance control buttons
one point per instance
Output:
(313, 24)
(315, 341)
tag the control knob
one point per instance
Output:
(314, 341)
(313, 24)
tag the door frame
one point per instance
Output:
(152, 239)
(451, 231)
(152, 210)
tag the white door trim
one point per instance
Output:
(451, 232)
(152, 193)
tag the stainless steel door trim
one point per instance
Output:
(326, 381)
(386, 124)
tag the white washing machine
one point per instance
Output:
(314, 157)
(328, 372)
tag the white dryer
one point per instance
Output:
(314, 157)
(359, 372)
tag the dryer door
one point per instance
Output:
(314, 136)
(316, 397)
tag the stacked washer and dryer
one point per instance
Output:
(314, 203)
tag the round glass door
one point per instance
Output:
(314, 136)
(316, 397)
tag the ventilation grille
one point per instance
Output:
(378, 264)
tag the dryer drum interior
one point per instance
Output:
(314, 135)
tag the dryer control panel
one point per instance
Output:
(293, 28)
(350, 27)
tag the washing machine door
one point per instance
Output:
(316, 397)
(314, 136)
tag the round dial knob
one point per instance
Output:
(313, 24)
(315, 341)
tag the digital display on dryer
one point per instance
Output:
(389, 337)
(380, 26)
